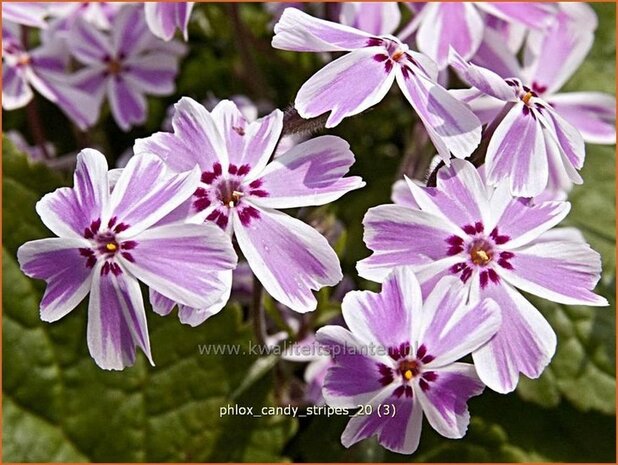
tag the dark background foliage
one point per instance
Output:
(58, 406)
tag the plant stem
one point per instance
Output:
(252, 74)
(293, 123)
(32, 110)
(257, 312)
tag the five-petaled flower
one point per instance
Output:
(360, 79)
(44, 69)
(240, 191)
(401, 352)
(109, 240)
(125, 64)
(493, 242)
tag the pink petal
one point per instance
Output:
(310, 173)
(452, 127)
(345, 87)
(248, 143)
(445, 25)
(182, 262)
(301, 32)
(67, 212)
(517, 152)
(289, 257)
(593, 114)
(562, 271)
(60, 264)
(116, 320)
(445, 402)
(525, 342)
(146, 192)
(195, 141)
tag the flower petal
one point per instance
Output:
(127, 103)
(562, 271)
(146, 192)
(130, 34)
(354, 377)
(67, 212)
(346, 86)
(401, 195)
(555, 52)
(377, 18)
(16, 92)
(534, 15)
(153, 73)
(445, 25)
(460, 198)
(593, 114)
(525, 342)
(60, 264)
(195, 141)
(445, 402)
(481, 78)
(289, 257)
(248, 143)
(398, 433)
(181, 262)
(522, 221)
(386, 318)
(310, 173)
(566, 137)
(164, 18)
(189, 315)
(517, 152)
(87, 44)
(401, 236)
(494, 54)
(452, 127)
(449, 328)
(301, 32)
(116, 320)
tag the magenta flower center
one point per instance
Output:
(223, 192)
(106, 246)
(407, 368)
(480, 253)
(395, 53)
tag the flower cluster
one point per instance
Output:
(452, 253)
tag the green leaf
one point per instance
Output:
(583, 369)
(59, 406)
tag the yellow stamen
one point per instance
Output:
(526, 98)
(398, 54)
(111, 247)
(483, 255)
(114, 67)
(408, 375)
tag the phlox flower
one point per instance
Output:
(123, 65)
(546, 128)
(241, 191)
(44, 69)
(107, 242)
(360, 79)
(494, 243)
(163, 18)
(461, 25)
(400, 355)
